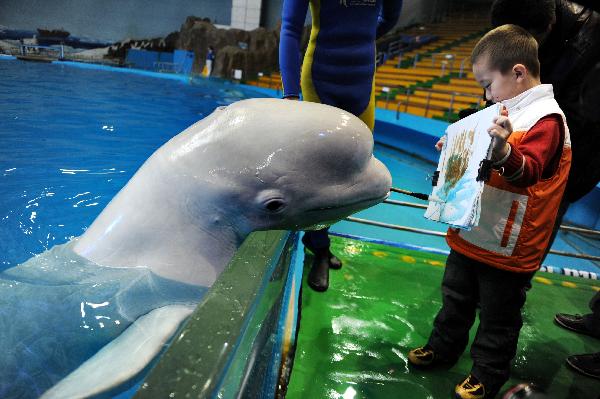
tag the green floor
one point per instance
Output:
(353, 339)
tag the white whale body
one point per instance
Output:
(88, 315)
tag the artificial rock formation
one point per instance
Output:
(251, 51)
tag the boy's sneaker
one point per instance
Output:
(470, 388)
(422, 356)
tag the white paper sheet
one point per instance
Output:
(456, 199)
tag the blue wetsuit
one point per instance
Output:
(339, 64)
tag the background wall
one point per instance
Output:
(110, 20)
(113, 20)
(413, 11)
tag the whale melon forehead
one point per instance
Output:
(280, 136)
(290, 117)
(273, 124)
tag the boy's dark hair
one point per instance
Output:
(506, 46)
(532, 15)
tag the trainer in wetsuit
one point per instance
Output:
(338, 69)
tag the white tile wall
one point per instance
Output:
(245, 14)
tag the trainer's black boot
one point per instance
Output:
(334, 261)
(318, 277)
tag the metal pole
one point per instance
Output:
(396, 227)
(580, 230)
(403, 203)
(442, 234)
(573, 229)
(573, 255)
(427, 105)
(451, 105)
(387, 97)
(462, 68)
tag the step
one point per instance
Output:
(414, 110)
(448, 96)
(458, 89)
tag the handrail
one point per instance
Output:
(457, 93)
(450, 107)
(396, 227)
(442, 234)
(563, 227)
(462, 68)
(404, 203)
(399, 64)
(427, 104)
(165, 66)
(453, 95)
(60, 50)
(579, 230)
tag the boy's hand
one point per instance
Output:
(441, 142)
(500, 131)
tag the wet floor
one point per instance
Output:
(354, 338)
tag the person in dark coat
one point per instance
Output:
(569, 36)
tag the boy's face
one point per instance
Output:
(498, 87)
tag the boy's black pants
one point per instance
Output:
(500, 295)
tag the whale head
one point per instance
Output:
(292, 165)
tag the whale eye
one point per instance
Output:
(274, 205)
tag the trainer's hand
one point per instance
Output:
(500, 131)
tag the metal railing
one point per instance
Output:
(171, 67)
(573, 229)
(37, 50)
(430, 92)
(271, 83)
(462, 67)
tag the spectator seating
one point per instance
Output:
(427, 72)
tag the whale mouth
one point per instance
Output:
(368, 202)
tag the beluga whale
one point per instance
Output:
(85, 317)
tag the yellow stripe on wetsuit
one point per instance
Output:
(308, 89)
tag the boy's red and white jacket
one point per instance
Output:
(516, 222)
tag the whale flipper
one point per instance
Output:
(124, 357)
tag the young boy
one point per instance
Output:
(492, 264)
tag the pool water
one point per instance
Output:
(71, 138)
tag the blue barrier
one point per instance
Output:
(178, 62)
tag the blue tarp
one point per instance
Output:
(178, 62)
(184, 59)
